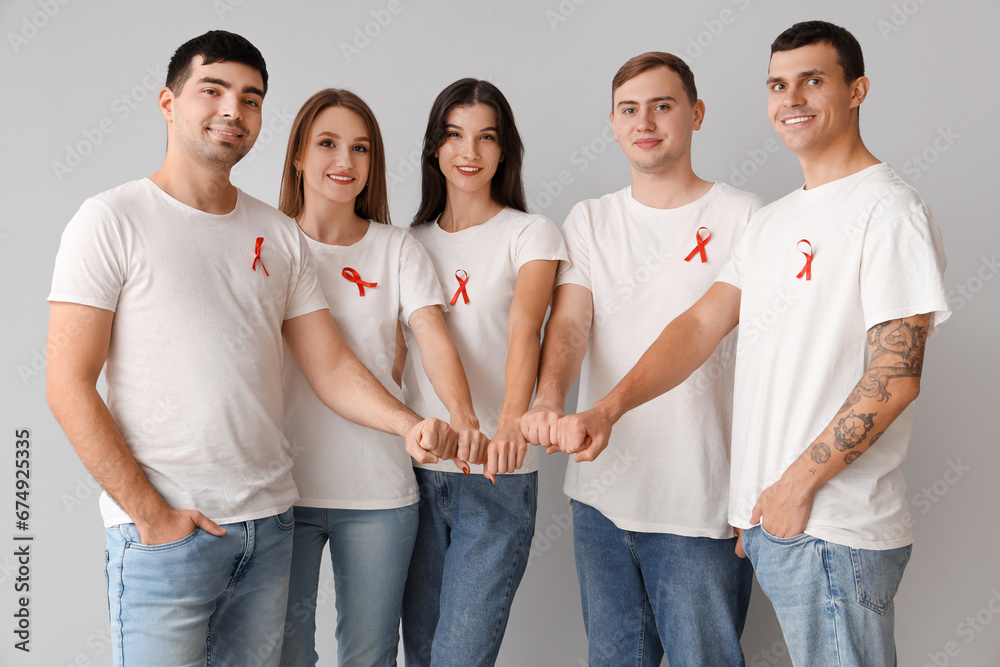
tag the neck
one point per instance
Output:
(467, 209)
(835, 162)
(332, 222)
(671, 187)
(196, 185)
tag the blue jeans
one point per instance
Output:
(471, 552)
(202, 599)
(834, 603)
(646, 594)
(370, 551)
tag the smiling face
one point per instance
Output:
(653, 119)
(215, 117)
(336, 156)
(470, 153)
(810, 104)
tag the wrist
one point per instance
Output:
(463, 419)
(803, 479)
(551, 401)
(609, 409)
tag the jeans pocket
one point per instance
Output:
(801, 537)
(286, 520)
(877, 575)
(132, 538)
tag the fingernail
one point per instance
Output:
(465, 469)
(493, 482)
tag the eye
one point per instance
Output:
(326, 143)
(360, 148)
(210, 91)
(777, 87)
(814, 81)
(252, 103)
(452, 134)
(662, 107)
(628, 111)
(488, 137)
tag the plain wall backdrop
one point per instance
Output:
(79, 114)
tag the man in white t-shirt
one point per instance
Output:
(654, 550)
(835, 289)
(185, 287)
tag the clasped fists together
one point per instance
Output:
(585, 435)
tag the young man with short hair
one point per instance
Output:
(835, 288)
(186, 286)
(654, 550)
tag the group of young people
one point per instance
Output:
(342, 382)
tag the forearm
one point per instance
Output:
(443, 366)
(682, 347)
(523, 351)
(352, 391)
(563, 349)
(91, 430)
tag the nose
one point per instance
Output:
(645, 121)
(470, 149)
(229, 106)
(794, 97)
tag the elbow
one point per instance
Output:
(908, 390)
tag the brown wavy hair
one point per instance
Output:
(372, 202)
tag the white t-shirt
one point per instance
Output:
(876, 256)
(194, 366)
(666, 468)
(339, 464)
(488, 257)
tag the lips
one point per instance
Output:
(468, 170)
(226, 133)
(792, 121)
(341, 178)
(646, 144)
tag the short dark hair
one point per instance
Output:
(849, 55)
(651, 60)
(507, 188)
(214, 46)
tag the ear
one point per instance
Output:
(166, 103)
(859, 91)
(614, 128)
(699, 114)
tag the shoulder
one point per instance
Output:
(265, 213)
(737, 198)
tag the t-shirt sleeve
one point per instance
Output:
(418, 282)
(902, 271)
(539, 239)
(90, 266)
(732, 270)
(304, 292)
(577, 270)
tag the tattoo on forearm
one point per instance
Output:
(897, 350)
(851, 430)
(820, 453)
(851, 457)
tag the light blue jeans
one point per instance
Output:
(646, 594)
(370, 551)
(834, 603)
(202, 599)
(471, 552)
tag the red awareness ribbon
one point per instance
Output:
(355, 278)
(807, 270)
(463, 280)
(257, 258)
(700, 248)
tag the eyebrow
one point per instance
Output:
(252, 90)
(485, 129)
(326, 133)
(802, 75)
(662, 98)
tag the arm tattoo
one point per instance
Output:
(820, 453)
(851, 457)
(851, 430)
(897, 350)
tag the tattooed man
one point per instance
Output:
(835, 288)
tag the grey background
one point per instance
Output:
(77, 77)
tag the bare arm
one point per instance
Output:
(399, 359)
(444, 369)
(563, 348)
(350, 390)
(524, 333)
(891, 381)
(681, 348)
(79, 337)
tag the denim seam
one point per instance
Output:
(121, 594)
(245, 560)
(526, 532)
(833, 593)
